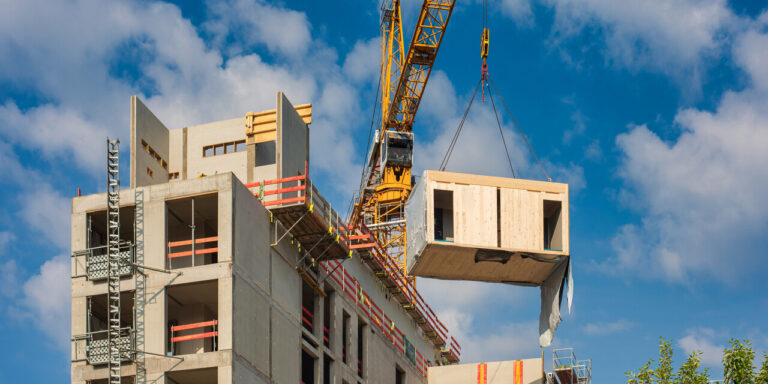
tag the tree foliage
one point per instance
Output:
(738, 367)
(664, 372)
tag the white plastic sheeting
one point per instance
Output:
(551, 295)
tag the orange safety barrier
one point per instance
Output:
(277, 182)
(307, 320)
(352, 289)
(196, 336)
(175, 244)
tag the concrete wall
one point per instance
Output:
(145, 126)
(199, 136)
(154, 332)
(292, 139)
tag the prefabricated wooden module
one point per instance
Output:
(483, 228)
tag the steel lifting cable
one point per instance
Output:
(518, 128)
(501, 131)
(370, 130)
(448, 153)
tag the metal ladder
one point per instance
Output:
(113, 252)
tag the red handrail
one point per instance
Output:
(204, 335)
(203, 251)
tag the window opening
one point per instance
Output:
(193, 325)
(308, 296)
(344, 337)
(327, 369)
(443, 215)
(399, 375)
(553, 227)
(361, 346)
(192, 231)
(307, 368)
(328, 316)
(193, 376)
(266, 153)
(97, 328)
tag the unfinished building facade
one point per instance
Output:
(233, 269)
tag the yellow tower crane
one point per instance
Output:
(386, 180)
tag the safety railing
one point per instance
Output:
(191, 248)
(93, 262)
(95, 346)
(351, 287)
(326, 337)
(210, 333)
(306, 319)
(411, 299)
(278, 187)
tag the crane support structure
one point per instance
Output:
(386, 181)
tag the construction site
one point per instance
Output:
(222, 262)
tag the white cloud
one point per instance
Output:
(363, 63)
(458, 302)
(280, 29)
(608, 328)
(669, 36)
(47, 299)
(702, 340)
(701, 195)
(519, 10)
(47, 212)
(594, 151)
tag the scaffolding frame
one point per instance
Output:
(113, 253)
(568, 369)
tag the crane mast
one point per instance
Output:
(386, 181)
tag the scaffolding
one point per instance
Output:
(569, 370)
(311, 221)
(113, 251)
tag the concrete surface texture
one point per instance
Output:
(241, 313)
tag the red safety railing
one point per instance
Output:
(281, 187)
(307, 318)
(455, 347)
(395, 275)
(351, 287)
(208, 247)
(213, 333)
(326, 337)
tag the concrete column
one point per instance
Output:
(225, 313)
(155, 242)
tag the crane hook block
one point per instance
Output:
(485, 43)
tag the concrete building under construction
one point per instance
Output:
(233, 268)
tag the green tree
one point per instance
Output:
(689, 372)
(664, 373)
(762, 376)
(737, 363)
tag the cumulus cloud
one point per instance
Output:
(46, 300)
(668, 36)
(701, 195)
(457, 302)
(363, 63)
(281, 30)
(518, 10)
(702, 340)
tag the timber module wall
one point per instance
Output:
(528, 371)
(471, 227)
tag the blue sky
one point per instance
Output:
(655, 113)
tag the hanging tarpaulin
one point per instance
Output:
(551, 294)
(410, 350)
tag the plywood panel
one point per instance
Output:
(522, 219)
